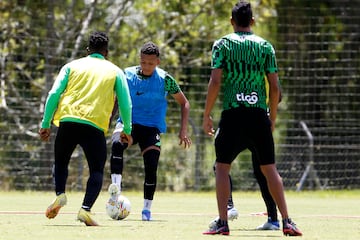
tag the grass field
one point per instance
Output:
(320, 215)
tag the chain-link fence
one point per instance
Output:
(318, 129)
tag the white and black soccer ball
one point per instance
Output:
(118, 209)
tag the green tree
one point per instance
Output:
(38, 37)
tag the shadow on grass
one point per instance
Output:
(261, 234)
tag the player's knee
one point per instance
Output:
(118, 147)
(150, 176)
(96, 177)
(151, 158)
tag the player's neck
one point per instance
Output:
(242, 29)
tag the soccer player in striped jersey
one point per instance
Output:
(239, 62)
(272, 222)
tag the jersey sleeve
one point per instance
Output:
(171, 85)
(217, 58)
(54, 95)
(124, 101)
(270, 62)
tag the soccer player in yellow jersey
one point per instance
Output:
(80, 104)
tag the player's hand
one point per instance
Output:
(185, 141)
(44, 134)
(272, 125)
(126, 138)
(208, 125)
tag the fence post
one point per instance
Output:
(309, 170)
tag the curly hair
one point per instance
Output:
(150, 48)
(98, 42)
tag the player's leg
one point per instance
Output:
(150, 145)
(151, 160)
(264, 148)
(116, 161)
(220, 224)
(273, 222)
(94, 145)
(232, 211)
(277, 192)
(230, 200)
(226, 150)
(275, 187)
(65, 143)
(222, 188)
(230, 203)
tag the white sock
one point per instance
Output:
(147, 204)
(116, 178)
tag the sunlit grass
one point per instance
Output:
(319, 214)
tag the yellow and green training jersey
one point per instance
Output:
(84, 92)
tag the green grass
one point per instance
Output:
(320, 215)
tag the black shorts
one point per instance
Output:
(244, 128)
(145, 136)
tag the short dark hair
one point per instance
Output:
(150, 48)
(98, 42)
(242, 14)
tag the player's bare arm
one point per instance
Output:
(180, 98)
(274, 95)
(212, 94)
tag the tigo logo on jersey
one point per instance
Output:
(250, 99)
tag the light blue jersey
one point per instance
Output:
(148, 96)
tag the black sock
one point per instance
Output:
(222, 222)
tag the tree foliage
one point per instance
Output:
(38, 37)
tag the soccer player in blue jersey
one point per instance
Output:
(240, 60)
(80, 103)
(149, 87)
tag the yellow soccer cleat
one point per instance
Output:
(86, 217)
(55, 206)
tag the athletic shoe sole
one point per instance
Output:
(291, 232)
(221, 231)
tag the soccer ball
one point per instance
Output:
(118, 209)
